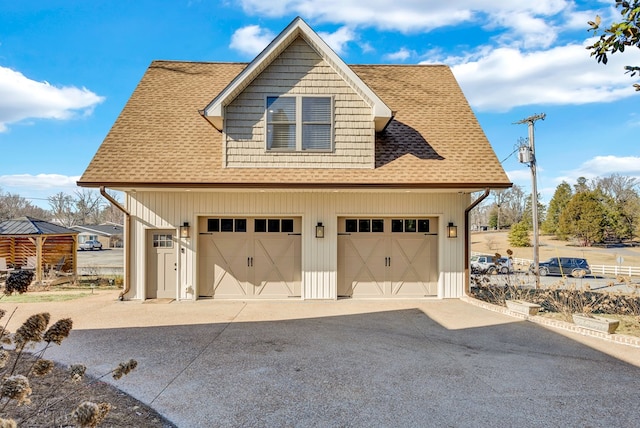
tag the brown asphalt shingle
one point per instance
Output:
(160, 138)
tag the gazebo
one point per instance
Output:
(29, 243)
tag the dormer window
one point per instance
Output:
(299, 123)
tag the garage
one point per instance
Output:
(241, 258)
(387, 257)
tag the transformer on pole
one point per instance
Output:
(527, 155)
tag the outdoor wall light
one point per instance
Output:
(319, 230)
(185, 230)
(452, 231)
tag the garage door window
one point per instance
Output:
(364, 225)
(408, 225)
(273, 225)
(226, 225)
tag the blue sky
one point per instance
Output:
(68, 67)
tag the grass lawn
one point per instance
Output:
(498, 242)
(31, 297)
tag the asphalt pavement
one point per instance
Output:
(349, 363)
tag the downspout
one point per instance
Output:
(467, 246)
(127, 241)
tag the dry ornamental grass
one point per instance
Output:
(36, 392)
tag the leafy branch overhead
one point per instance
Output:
(619, 35)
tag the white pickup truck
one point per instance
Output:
(90, 245)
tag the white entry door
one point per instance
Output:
(161, 264)
(387, 257)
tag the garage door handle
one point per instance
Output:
(343, 234)
(250, 261)
(387, 261)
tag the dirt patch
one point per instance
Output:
(55, 396)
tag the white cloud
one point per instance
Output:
(577, 20)
(339, 39)
(401, 55)
(38, 188)
(22, 98)
(251, 39)
(39, 181)
(519, 175)
(406, 15)
(524, 29)
(602, 166)
(508, 77)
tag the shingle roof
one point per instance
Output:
(32, 226)
(160, 139)
(103, 229)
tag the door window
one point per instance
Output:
(161, 240)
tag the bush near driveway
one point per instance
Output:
(561, 298)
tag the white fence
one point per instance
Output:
(101, 271)
(615, 270)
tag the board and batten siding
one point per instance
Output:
(298, 70)
(168, 210)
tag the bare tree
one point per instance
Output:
(110, 213)
(62, 209)
(13, 205)
(88, 208)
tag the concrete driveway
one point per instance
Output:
(350, 363)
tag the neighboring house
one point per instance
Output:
(109, 234)
(296, 176)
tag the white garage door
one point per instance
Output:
(387, 257)
(249, 257)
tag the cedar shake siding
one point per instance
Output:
(299, 70)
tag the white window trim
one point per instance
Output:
(299, 124)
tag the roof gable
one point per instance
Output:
(214, 112)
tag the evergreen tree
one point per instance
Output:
(527, 215)
(558, 202)
(519, 235)
(584, 218)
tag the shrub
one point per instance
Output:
(18, 281)
(561, 298)
(519, 235)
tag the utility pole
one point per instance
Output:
(528, 155)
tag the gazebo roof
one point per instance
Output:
(32, 226)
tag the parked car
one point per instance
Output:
(504, 265)
(90, 245)
(573, 266)
(489, 264)
(482, 264)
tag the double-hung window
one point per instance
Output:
(296, 123)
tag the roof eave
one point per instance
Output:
(279, 185)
